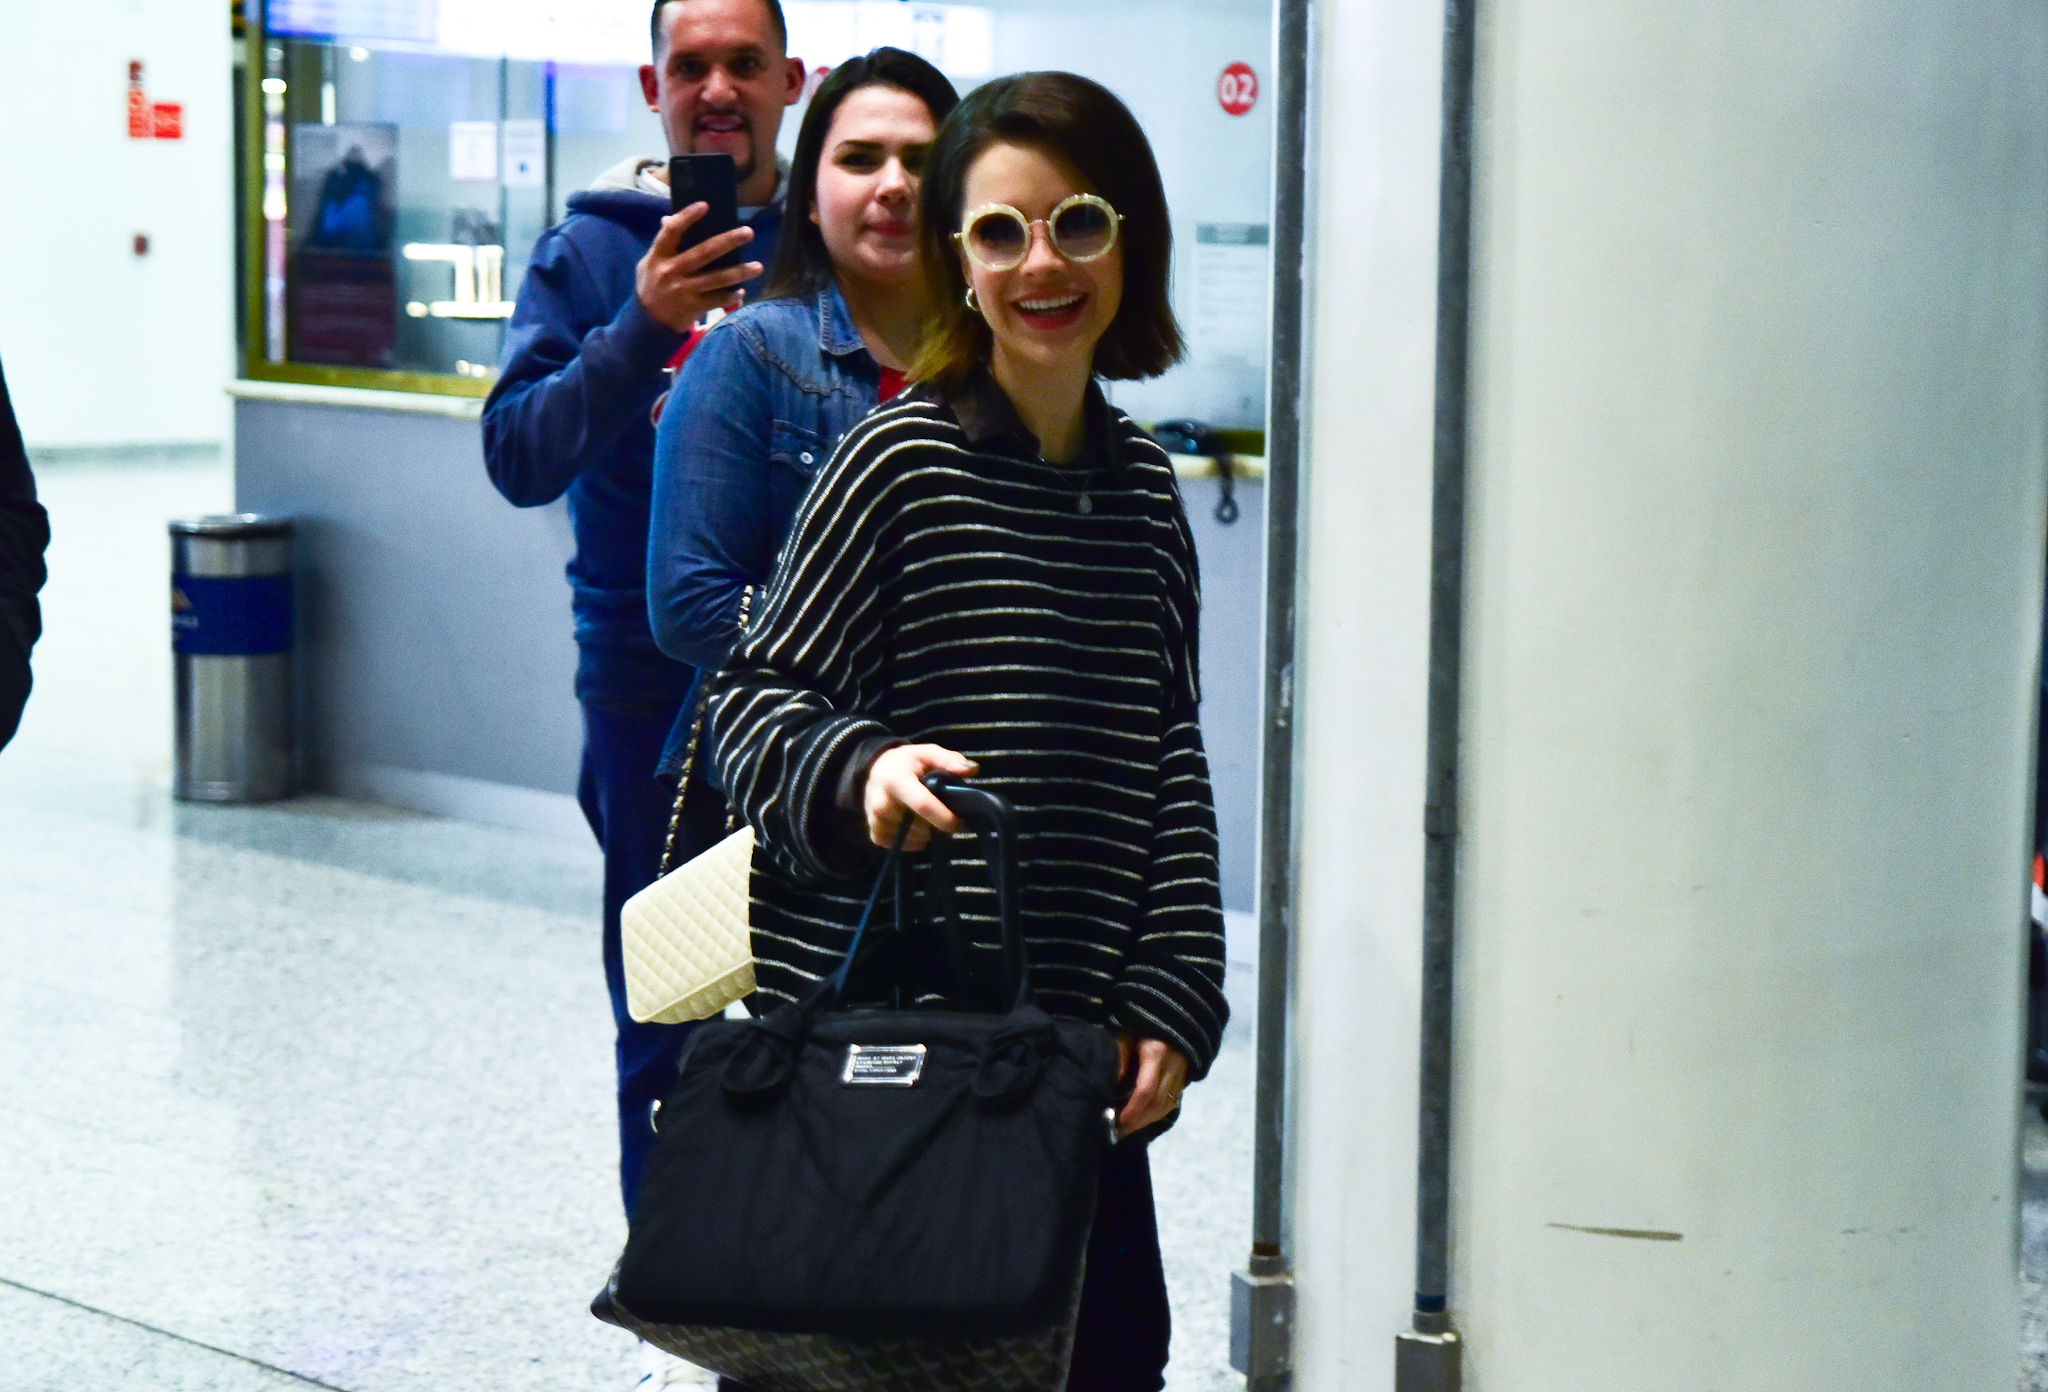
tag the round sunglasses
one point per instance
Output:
(1081, 227)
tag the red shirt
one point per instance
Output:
(682, 355)
(892, 383)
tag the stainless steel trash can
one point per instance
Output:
(231, 640)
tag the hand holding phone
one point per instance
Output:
(673, 285)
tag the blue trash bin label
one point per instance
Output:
(231, 615)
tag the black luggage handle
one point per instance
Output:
(760, 1067)
(992, 817)
(995, 821)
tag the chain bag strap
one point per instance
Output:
(685, 940)
(675, 818)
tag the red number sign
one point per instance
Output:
(1237, 89)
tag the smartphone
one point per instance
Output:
(709, 179)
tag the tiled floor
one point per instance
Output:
(316, 1094)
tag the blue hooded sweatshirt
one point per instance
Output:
(581, 370)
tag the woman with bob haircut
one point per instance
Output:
(843, 313)
(993, 577)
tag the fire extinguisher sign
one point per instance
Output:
(1237, 89)
(148, 120)
(141, 119)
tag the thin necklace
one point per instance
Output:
(1083, 504)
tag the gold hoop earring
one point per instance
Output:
(970, 300)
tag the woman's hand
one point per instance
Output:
(894, 792)
(1162, 1076)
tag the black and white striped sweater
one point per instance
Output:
(943, 584)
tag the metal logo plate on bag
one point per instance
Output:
(882, 1065)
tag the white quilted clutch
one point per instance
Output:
(687, 951)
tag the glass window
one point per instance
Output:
(410, 151)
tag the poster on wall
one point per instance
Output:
(1228, 323)
(473, 152)
(525, 159)
(343, 287)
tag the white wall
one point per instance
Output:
(1756, 589)
(1360, 686)
(1757, 488)
(102, 347)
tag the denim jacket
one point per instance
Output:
(793, 376)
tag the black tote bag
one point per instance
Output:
(845, 1199)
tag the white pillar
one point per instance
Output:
(1757, 496)
(1360, 710)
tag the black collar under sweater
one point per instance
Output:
(990, 421)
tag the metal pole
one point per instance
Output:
(547, 193)
(1262, 1295)
(1426, 1357)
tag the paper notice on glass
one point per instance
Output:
(526, 154)
(473, 152)
(1228, 310)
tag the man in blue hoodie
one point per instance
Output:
(608, 299)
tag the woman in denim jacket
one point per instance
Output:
(841, 319)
